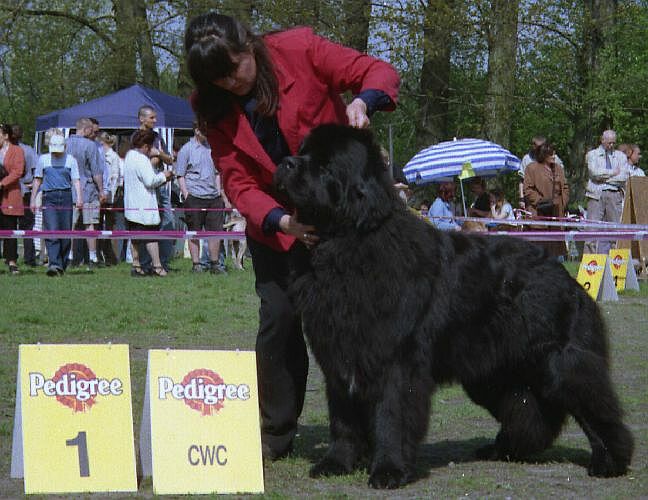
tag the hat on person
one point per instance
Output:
(57, 144)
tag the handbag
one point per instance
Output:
(3, 172)
(545, 208)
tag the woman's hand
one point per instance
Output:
(357, 113)
(303, 232)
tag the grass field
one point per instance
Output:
(203, 311)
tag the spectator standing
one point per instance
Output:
(140, 200)
(200, 188)
(527, 160)
(112, 168)
(26, 222)
(544, 180)
(547, 192)
(159, 156)
(90, 164)
(56, 174)
(607, 176)
(118, 202)
(441, 212)
(633, 154)
(258, 97)
(12, 159)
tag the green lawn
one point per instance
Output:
(205, 311)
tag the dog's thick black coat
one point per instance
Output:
(393, 307)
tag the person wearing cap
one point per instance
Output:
(56, 173)
(12, 159)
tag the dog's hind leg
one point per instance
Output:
(347, 425)
(590, 398)
(529, 423)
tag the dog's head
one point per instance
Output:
(339, 181)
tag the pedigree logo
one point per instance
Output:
(593, 267)
(202, 390)
(618, 261)
(75, 386)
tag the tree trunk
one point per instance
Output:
(502, 49)
(123, 60)
(133, 41)
(432, 125)
(598, 19)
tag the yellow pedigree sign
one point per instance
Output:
(204, 414)
(619, 265)
(590, 273)
(77, 423)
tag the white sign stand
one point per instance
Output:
(607, 291)
(17, 461)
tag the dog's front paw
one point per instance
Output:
(388, 476)
(329, 467)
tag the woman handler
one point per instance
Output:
(256, 99)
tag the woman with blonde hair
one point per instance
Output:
(112, 172)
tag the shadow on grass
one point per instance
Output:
(313, 443)
(442, 453)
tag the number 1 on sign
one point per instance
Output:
(82, 444)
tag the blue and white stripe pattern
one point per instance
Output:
(444, 161)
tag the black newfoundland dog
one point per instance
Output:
(393, 307)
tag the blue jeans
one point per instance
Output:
(57, 215)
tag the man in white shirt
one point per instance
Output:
(605, 186)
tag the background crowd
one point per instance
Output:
(544, 192)
(91, 180)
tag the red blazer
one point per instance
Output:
(14, 163)
(312, 73)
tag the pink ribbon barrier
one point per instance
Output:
(122, 235)
(636, 235)
(121, 209)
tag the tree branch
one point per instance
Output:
(552, 29)
(72, 17)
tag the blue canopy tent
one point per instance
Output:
(119, 111)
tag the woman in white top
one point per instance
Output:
(140, 201)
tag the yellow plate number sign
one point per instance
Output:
(77, 424)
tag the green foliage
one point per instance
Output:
(562, 90)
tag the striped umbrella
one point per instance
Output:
(446, 160)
